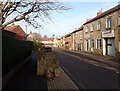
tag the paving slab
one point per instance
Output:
(62, 82)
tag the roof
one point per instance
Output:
(104, 14)
(47, 39)
(67, 35)
(80, 28)
(16, 29)
(11, 28)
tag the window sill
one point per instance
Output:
(98, 48)
(107, 28)
(98, 29)
(118, 25)
(91, 31)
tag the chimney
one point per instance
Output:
(30, 32)
(13, 24)
(88, 19)
(99, 12)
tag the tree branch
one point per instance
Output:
(31, 10)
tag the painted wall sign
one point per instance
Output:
(108, 33)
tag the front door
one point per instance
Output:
(86, 45)
(110, 47)
(92, 45)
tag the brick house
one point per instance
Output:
(68, 44)
(19, 33)
(77, 39)
(80, 38)
(58, 42)
(102, 33)
(47, 41)
(74, 39)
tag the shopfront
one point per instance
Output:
(108, 42)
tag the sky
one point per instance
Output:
(65, 22)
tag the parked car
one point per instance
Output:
(48, 49)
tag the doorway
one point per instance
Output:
(86, 45)
(92, 45)
(110, 46)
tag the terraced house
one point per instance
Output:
(68, 42)
(77, 39)
(102, 33)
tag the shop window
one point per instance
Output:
(98, 43)
(81, 46)
(91, 43)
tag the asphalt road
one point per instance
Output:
(26, 78)
(88, 76)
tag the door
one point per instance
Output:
(86, 45)
(92, 45)
(111, 47)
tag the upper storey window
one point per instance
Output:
(109, 22)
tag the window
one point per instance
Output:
(98, 44)
(86, 47)
(91, 43)
(99, 25)
(81, 46)
(119, 46)
(75, 35)
(92, 27)
(86, 29)
(81, 36)
(119, 19)
(109, 22)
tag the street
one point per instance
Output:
(88, 76)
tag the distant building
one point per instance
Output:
(34, 37)
(77, 39)
(47, 41)
(55, 42)
(68, 44)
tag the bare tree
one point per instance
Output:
(29, 10)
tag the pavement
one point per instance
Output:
(26, 79)
(108, 60)
(62, 82)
